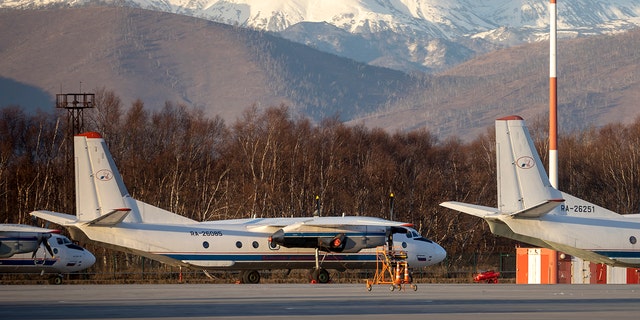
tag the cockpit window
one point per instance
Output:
(74, 246)
(63, 240)
(413, 234)
(424, 239)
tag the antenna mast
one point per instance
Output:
(553, 98)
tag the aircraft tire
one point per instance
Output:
(56, 280)
(251, 276)
(320, 275)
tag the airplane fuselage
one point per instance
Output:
(245, 244)
(604, 240)
(67, 257)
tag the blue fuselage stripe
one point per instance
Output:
(26, 262)
(269, 257)
(619, 254)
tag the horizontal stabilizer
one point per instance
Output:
(25, 228)
(112, 218)
(58, 218)
(472, 209)
(538, 210)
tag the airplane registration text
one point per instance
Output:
(578, 208)
(206, 233)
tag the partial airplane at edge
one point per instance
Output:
(28, 249)
(532, 211)
(106, 213)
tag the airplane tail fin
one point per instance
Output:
(102, 198)
(524, 189)
(100, 191)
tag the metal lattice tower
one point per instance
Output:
(75, 103)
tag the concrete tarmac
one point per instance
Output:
(319, 301)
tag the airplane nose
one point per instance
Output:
(88, 260)
(439, 254)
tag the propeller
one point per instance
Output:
(43, 239)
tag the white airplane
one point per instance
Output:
(106, 213)
(530, 210)
(27, 249)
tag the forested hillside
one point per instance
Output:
(598, 83)
(223, 70)
(160, 57)
(268, 164)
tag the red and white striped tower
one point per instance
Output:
(553, 98)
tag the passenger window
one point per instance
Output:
(409, 235)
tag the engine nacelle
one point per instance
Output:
(340, 242)
(18, 242)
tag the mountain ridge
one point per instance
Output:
(159, 57)
(413, 26)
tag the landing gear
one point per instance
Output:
(56, 279)
(320, 275)
(250, 276)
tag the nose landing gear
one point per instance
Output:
(320, 276)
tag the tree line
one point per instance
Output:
(269, 163)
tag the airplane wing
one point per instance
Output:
(328, 222)
(18, 238)
(333, 234)
(355, 221)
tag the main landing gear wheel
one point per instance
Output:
(320, 275)
(250, 276)
(56, 280)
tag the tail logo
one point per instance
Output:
(526, 162)
(104, 175)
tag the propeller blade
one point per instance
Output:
(46, 245)
(42, 239)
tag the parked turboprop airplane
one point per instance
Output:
(27, 249)
(532, 211)
(107, 214)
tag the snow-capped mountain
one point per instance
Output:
(427, 35)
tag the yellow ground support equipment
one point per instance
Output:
(391, 268)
